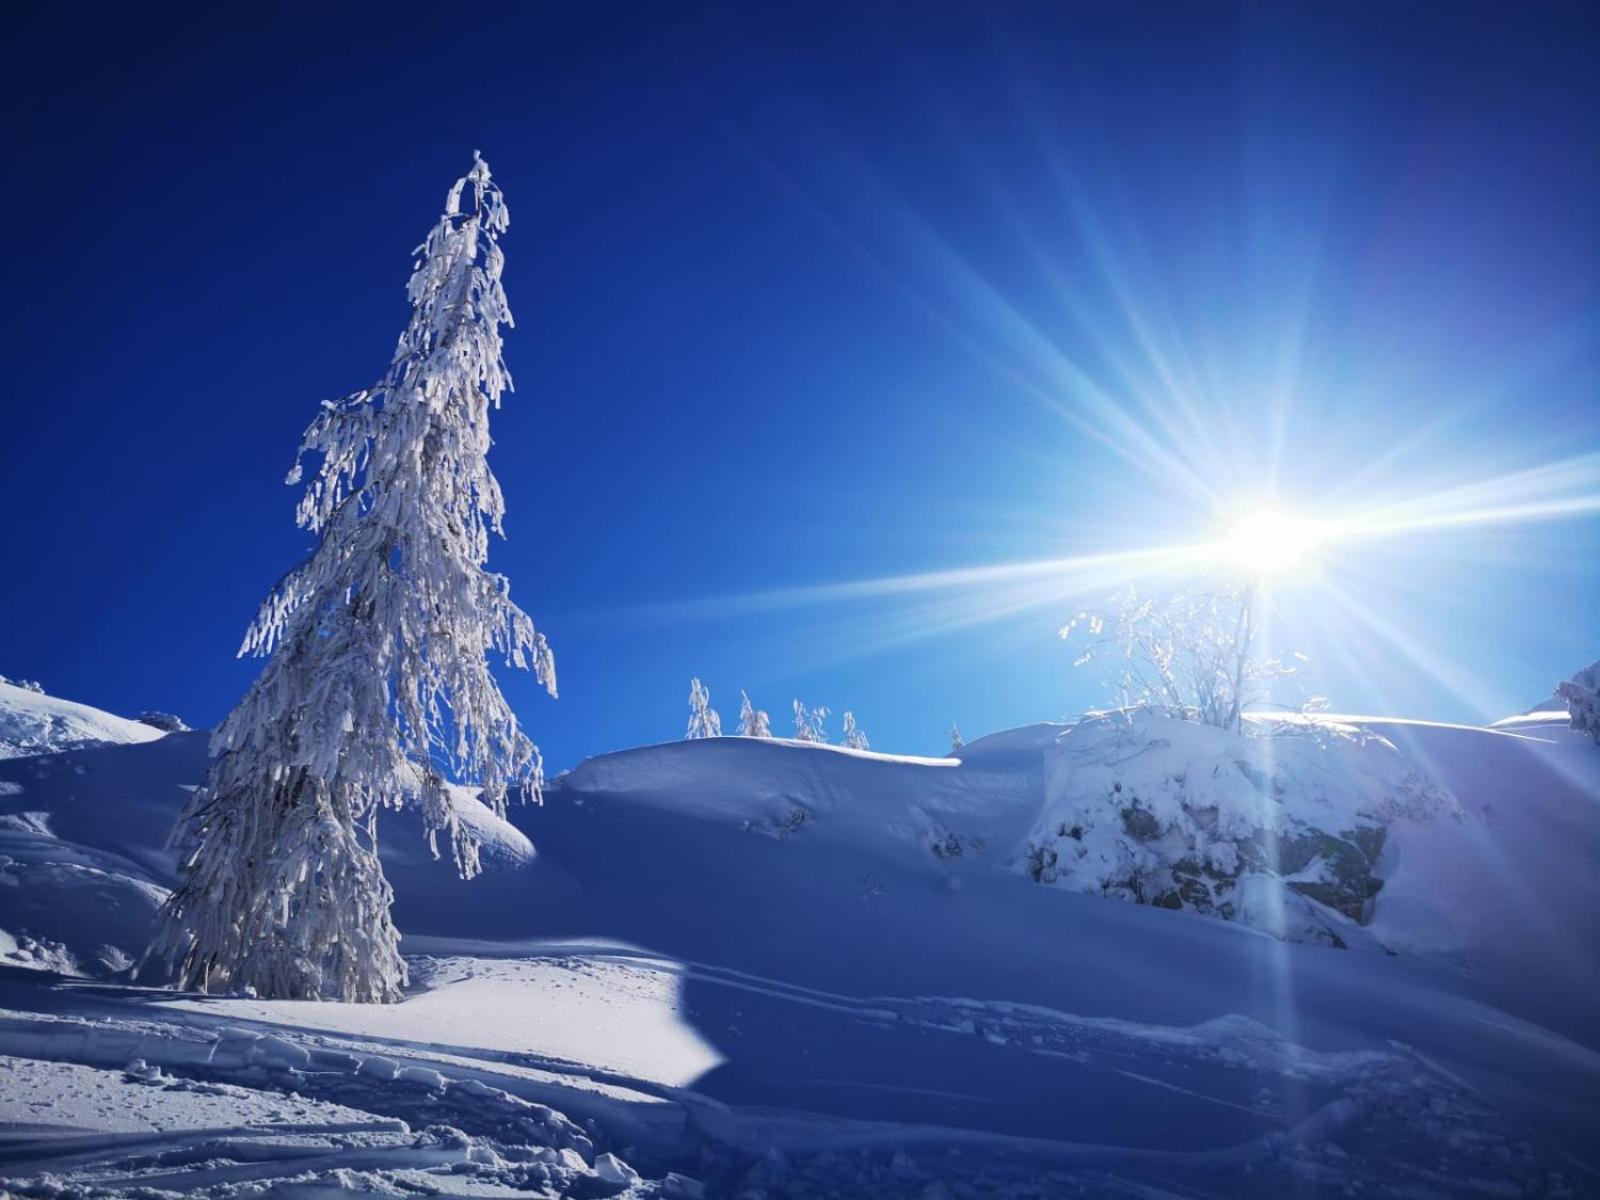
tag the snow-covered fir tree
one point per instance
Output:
(955, 738)
(809, 723)
(378, 683)
(753, 721)
(703, 719)
(853, 735)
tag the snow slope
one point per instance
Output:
(84, 863)
(34, 723)
(784, 969)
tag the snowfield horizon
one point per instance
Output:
(711, 966)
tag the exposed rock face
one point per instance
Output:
(1281, 827)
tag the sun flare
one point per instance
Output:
(1268, 542)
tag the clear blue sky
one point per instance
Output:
(810, 296)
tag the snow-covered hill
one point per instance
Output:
(783, 969)
(34, 723)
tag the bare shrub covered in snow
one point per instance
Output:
(1192, 653)
(703, 719)
(378, 681)
(1582, 694)
(854, 737)
(810, 723)
(753, 721)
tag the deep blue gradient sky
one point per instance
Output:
(812, 296)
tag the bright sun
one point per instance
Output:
(1268, 542)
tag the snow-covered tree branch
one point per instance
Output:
(810, 723)
(854, 737)
(703, 719)
(753, 721)
(1193, 653)
(378, 685)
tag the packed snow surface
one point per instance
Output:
(749, 967)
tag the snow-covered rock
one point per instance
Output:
(612, 1169)
(164, 721)
(1280, 826)
(1581, 694)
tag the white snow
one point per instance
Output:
(727, 998)
(34, 723)
(614, 1015)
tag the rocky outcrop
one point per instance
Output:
(1281, 827)
(1582, 696)
(164, 721)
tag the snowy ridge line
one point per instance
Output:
(1369, 722)
(1537, 717)
(767, 746)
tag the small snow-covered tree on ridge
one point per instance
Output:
(1193, 653)
(703, 719)
(377, 683)
(955, 739)
(753, 721)
(853, 737)
(809, 723)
